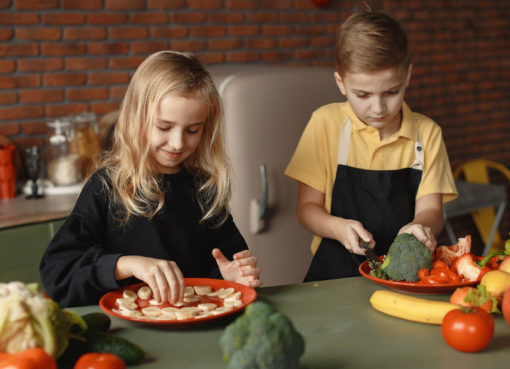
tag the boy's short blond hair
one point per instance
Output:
(370, 41)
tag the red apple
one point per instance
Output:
(505, 305)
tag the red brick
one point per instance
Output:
(23, 81)
(85, 63)
(208, 31)
(107, 48)
(63, 18)
(18, 50)
(124, 5)
(211, 58)
(40, 64)
(204, 4)
(260, 43)
(61, 110)
(148, 18)
(166, 4)
(34, 128)
(118, 92)
(242, 56)
(278, 30)
(225, 44)
(18, 19)
(82, 5)
(188, 45)
(188, 18)
(85, 33)
(241, 5)
(98, 78)
(292, 42)
(38, 33)
(63, 49)
(21, 112)
(243, 30)
(78, 94)
(35, 4)
(40, 95)
(125, 62)
(259, 17)
(65, 79)
(217, 17)
(294, 17)
(128, 33)
(274, 56)
(107, 18)
(101, 108)
(276, 4)
(7, 66)
(146, 47)
(5, 4)
(7, 98)
(6, 34)
(9, 129)
(169, 32)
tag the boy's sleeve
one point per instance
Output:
(307, 163)
(75, 269)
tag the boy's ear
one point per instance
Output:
(409, 73)
(340, 83)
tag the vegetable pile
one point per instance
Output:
(28, 319)
(262, 338)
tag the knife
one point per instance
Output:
(370, 254)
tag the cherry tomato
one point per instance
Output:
(468, 329)
(96, 360)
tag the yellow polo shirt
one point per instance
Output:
(314, 162)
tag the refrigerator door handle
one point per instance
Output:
(258, 209)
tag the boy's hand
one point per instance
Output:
(243, 269)
(351, 233)
(422, 233)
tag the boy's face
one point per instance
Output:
(177, 132)
(376, 97)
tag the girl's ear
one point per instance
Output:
(340, 83)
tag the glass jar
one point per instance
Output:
(62, 164)
(85, 142)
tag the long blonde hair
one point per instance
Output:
(134, 179)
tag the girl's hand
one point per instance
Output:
(350, 233)
(164, 277)
(422, 233)
(243, 269)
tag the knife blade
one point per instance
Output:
(370, 254)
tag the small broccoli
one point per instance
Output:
(405, 258)
(262, 338)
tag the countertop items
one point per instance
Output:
(340, 328)
(20, 211)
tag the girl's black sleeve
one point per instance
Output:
(75, 269)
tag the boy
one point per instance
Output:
(370, 168)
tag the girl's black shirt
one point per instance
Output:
(77, 267)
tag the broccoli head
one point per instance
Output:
(262, 338)
(405, 258)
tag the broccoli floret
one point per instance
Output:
(405, 258)
(262, 338)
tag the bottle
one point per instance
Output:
(85, 142)
(62, 164)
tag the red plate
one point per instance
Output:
(414, 287)
(248, 295)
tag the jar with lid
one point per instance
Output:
(61, 162)
(85, 142)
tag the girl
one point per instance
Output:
(156, 208)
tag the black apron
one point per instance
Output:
(382, 200)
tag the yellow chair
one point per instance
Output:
(478, 171)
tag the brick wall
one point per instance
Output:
(59, 57)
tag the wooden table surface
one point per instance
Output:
(340, 328)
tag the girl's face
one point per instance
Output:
(177, 131)
(376, 97)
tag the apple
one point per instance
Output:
(496, 282)
(505, 305)
(505, 265)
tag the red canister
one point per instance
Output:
(7, 172)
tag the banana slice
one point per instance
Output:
(151, 311)
(207, 306)
(203, 314)
(226, 292)
(169, 310)
(233, 303)
(184, 314)
(189, 291)
(221, 310)
(191, 299)
(128, 294)
(126, 303)
(168, 315)
(155, 302)
(127, 312)
(202, 290)
(145, 293)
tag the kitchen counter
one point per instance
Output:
(20, 211)
(340, 328)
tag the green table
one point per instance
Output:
(340, 328)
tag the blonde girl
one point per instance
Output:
(156, 208)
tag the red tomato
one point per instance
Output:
(103, 360)
(33, 358)
(468, 329)
(505, 305)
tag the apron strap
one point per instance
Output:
(344, 142)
